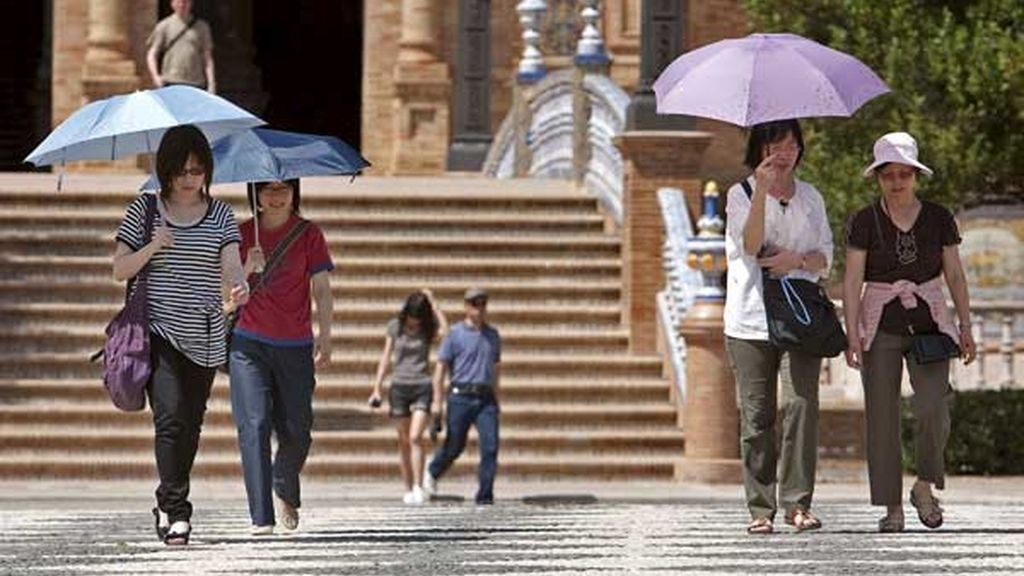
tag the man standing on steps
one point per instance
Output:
(181, 50)
(472, 354)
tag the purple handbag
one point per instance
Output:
(126, 360)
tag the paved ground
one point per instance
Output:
(105, 528)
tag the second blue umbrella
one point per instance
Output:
(264, 155)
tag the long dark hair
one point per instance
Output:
(176, 146)
(417, 305)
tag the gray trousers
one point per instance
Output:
(757, 365)
(882, 374)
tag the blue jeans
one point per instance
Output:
(463, 411)
(271, 390)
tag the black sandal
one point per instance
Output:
(161, 529)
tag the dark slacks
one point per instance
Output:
(465, 411)
(178, 391)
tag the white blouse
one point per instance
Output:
(800, 226)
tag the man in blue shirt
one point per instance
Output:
(472, 354)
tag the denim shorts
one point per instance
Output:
(404, 398)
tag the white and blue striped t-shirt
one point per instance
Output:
(185, 297)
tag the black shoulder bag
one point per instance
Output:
(800, 315)
(924, 348)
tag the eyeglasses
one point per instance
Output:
(191, 172)
(478, 303)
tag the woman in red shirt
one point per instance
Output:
(274, 352)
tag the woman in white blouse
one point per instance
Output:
(776, 224)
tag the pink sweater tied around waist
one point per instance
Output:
(878, 294)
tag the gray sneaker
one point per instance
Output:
(286, 513)
(429, 484)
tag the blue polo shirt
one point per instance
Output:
(471, 354)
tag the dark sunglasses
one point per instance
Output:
(478, 302)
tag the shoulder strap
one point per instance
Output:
(178, 37)
(147, 236)
(878, 225)
(747, 188)
(277, 255)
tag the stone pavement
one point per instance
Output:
(535, 528)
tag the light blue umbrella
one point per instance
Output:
(134, 124)
(264, 155)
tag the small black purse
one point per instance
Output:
(929, 348)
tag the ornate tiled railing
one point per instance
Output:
(681, 282)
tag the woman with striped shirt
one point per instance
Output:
(193, 260)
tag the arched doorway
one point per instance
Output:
(311, 55)
(308, 57)
(25, 63)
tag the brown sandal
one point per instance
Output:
(929, 510)
(802, 520)
(760, 525)
(890, 524)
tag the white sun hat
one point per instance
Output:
(898, 147)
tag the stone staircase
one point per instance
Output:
(576, 403)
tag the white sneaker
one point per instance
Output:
(418, 497)
(408, 498)
(265, 530)
(429, 483)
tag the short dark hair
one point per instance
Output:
(255, 187)
(176, 146)
(769, 133)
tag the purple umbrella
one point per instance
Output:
(765, 77)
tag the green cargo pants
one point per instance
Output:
(757, 366)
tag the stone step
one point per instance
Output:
(461, 224)
(473, 270)
(366, 193)
(590, 245)
(351, 340)
(601, 292)
(142, 466)
(553, 364)
(539, 390)
(378, 443)
(363, 315)
(355, 415)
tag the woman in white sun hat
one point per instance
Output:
(900, 250)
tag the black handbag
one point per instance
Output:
(929, 348)
(801, 317)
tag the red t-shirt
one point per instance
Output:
(279, 311)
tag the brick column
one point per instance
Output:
(109, 68)
(422, 87)
(653, 159)
(710, 416)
